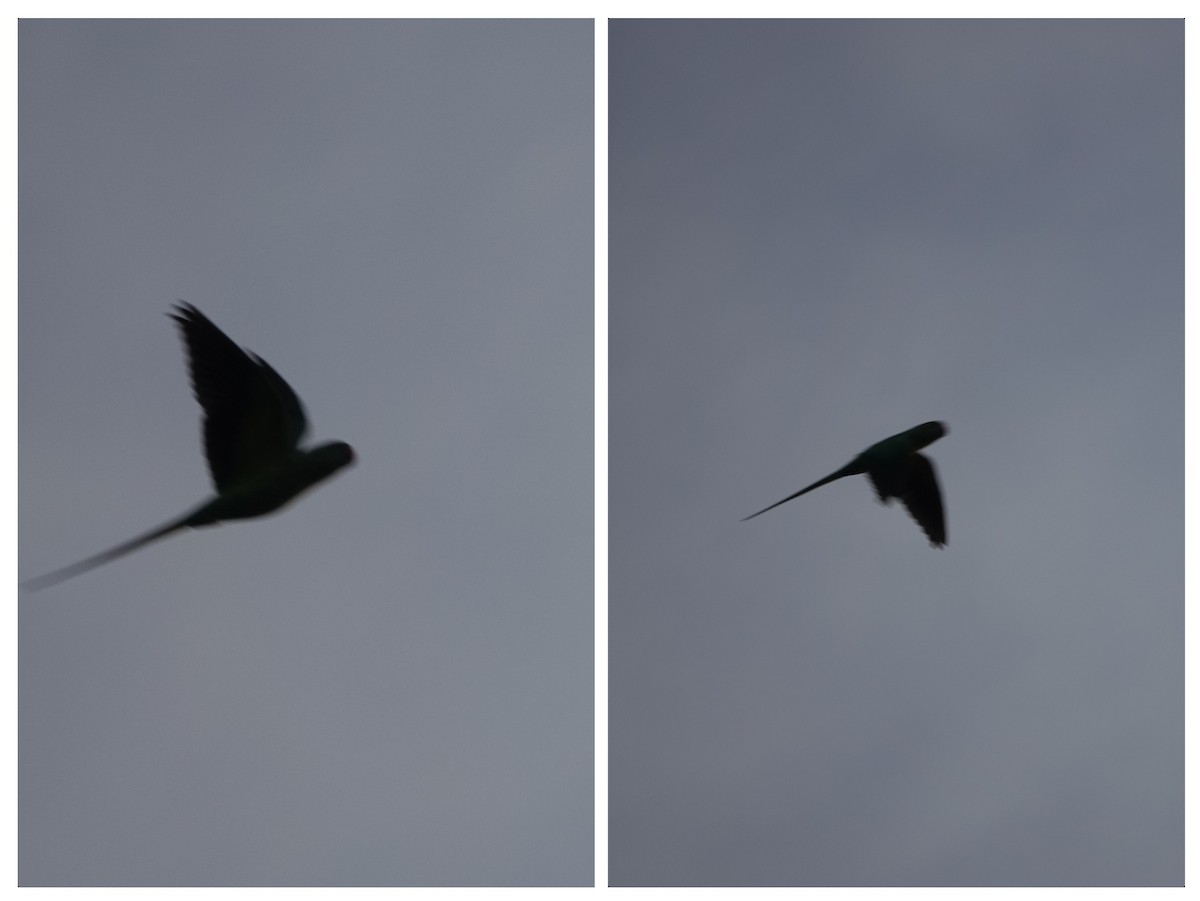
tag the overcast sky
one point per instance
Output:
(391, 681)
(823, 233)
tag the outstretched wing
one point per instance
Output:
(252, 417)
(921, 496)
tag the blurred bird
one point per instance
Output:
(897, 470)
(253, 423)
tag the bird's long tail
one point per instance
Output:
(111, 554)
(854, 467)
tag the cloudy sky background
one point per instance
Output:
(823, 233)
(390, 682)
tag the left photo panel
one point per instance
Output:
(305, 379)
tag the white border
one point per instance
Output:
(600, 460)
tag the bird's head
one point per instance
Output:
(927, 433)
(329, 458)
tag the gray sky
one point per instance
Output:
(823, 233)
(391, 681)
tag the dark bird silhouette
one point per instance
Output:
(897, 470)
(253, 423)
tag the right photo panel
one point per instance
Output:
(913, 291)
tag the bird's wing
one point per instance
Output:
(252, 417)
(879, 482)
(923, 499)
(293, 422)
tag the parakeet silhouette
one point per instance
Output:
(253, 423)
(897, 470)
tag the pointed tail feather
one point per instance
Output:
(850, 469)
(111, 554)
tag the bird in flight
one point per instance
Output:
(253, 423)
(897, 470)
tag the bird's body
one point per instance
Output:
(896, 469)
(253, 423)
